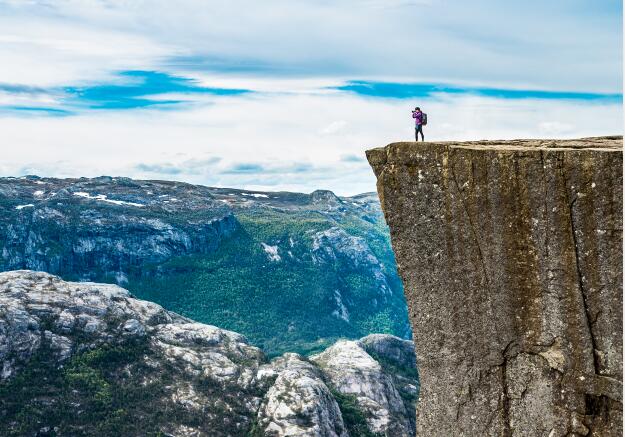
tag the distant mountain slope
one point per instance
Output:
(290, 271)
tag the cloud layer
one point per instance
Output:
(297, 142)
(556, 45)
(287, 95)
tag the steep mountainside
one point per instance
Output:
(293, 272)
(89, 359)
(512, 257)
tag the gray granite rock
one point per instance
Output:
(397, 350)
(217, 382)
(299, 403)
(511, 257)
(352, 371)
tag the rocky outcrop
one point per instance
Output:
(353, 371)
(299, 403)
(90, 359)
(511, 257)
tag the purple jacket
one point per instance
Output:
(418, 117)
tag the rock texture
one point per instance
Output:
(511, 257)
(351, 370)
(90, 359)
(299, 403)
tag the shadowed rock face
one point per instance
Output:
(511, 257)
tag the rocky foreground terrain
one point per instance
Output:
(291, 271)
(512, 257)
(82, 358)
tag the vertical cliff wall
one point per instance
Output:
(511, 257)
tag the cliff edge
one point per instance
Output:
(511, 257)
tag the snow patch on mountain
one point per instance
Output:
(272, 252)
(103, 198)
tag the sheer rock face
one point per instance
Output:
(213, 379)
(334, 243)
(511, 257)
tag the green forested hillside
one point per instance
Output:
(292, 272)
(286, 304)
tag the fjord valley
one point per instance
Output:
(292, 272)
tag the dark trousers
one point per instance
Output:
(418, 128)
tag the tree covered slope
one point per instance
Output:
(292, 272)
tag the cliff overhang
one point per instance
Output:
(511, 257)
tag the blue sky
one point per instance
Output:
(282, 95)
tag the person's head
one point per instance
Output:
(417, 109)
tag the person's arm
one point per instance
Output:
(414, 114)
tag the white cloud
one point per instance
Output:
(49, 51)
(279, 134)
(553, 128)
(550, 45)
(296, 131)
(334, 127)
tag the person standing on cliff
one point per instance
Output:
(418, 119)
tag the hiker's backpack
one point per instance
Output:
(424, 118)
